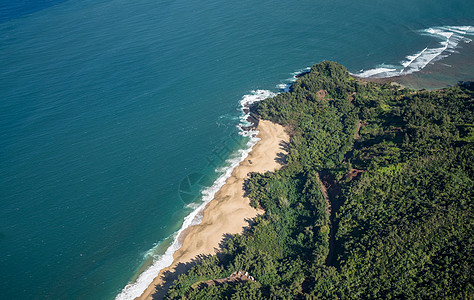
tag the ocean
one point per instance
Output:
(120, 119)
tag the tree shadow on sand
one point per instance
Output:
(168, 277)
(281, 156)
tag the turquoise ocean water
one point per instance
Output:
(115, 114)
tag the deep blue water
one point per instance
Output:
(11, 9)
(107, 105)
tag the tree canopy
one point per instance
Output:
(376, 201)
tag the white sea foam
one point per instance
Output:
(378, 71)
(133, 290)
(449, 38)
(247, 101)
(285, 85)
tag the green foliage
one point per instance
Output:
(401, 228)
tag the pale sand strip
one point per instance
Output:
(228, 211)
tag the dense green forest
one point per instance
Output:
(375, 202)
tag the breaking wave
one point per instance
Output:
(449, 38)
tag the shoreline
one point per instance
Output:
(434, 67)
(248, 126)
(228, 213)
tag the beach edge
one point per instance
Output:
(228, 213)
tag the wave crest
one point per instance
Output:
(449, 38)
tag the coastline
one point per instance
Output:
(228, 213)
(248, 126)
(434, 67)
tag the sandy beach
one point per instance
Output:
(229, 211)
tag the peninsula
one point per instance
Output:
(375, 200)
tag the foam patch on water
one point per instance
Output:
(245, 104)
(377, 72)
(133, 290)
(449, 38)
(285, 85)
